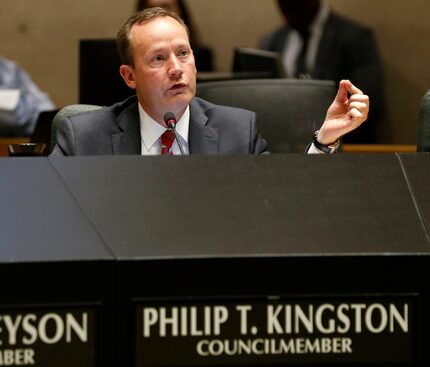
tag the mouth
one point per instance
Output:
(177, 87)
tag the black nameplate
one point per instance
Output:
(47, 336)
(275, 331)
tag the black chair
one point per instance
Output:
(424, 125)
(288, 110)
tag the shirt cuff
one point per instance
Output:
(314, 150)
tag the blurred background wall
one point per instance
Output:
(43, 36)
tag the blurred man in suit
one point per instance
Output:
(317, 43)
(158, 63)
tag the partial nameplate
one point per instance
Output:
(277, 330)
(47, 336)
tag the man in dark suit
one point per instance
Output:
(317, 43)
(158, 63)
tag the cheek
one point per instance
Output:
(191, 69)
(151, 80)
(192, 72)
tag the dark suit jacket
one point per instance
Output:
(347, 50)
(116, 130)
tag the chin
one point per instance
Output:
(180, 101)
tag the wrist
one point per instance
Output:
(325, 148)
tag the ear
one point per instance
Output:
(127, 73)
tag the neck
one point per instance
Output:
(158, 116)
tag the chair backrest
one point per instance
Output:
(288, 110)
(64, 113)
(424, 125)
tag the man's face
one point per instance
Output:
(164, 72)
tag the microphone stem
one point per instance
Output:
(177, 139)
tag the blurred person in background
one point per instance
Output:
(21, 100)
(315, 42)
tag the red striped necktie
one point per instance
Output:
(167, 140)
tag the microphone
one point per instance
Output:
(170, 120)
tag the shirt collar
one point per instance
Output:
(151, 130)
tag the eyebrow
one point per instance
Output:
(162, 48)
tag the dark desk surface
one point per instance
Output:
(205, 206)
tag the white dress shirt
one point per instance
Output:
(151, 131)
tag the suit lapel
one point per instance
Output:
(202, 139)
(128, 140)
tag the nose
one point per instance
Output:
(174, 68)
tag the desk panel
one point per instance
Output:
(39, 212)
(417, 169)
(278, 204)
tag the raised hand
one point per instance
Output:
(348, 111)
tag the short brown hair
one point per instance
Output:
(123, 36)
